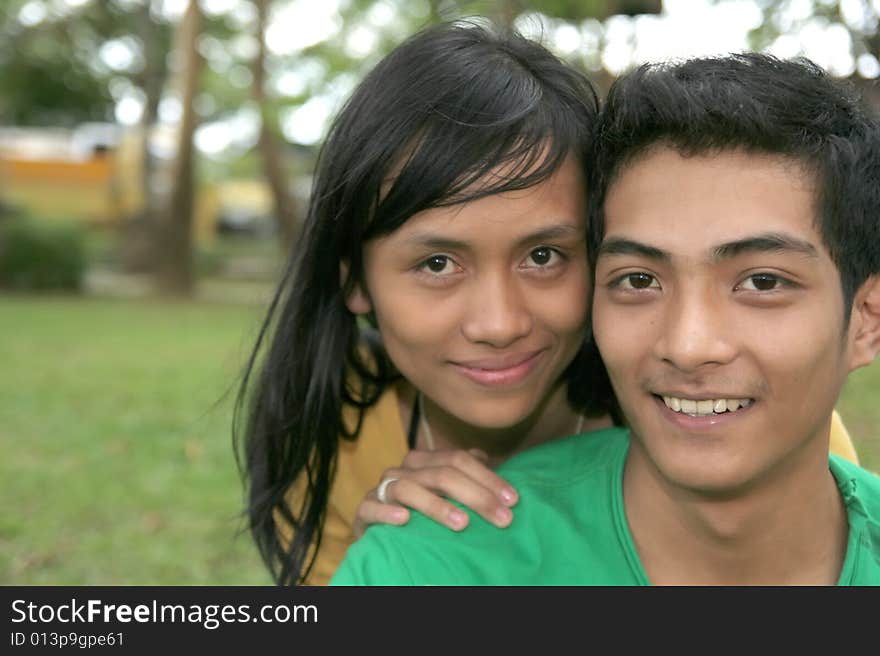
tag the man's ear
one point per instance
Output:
(865, 324)
(357, 301)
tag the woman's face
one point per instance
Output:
(483, 305)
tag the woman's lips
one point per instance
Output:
(506, 370)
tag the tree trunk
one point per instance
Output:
(270, 143)
(140, 234)
(176, 275)
(153, 80)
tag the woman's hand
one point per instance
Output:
(425, 478)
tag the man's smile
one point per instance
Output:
(716, 404)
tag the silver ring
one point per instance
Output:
(383, 489)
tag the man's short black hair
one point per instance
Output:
(759, 104)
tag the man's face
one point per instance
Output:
(719, 315)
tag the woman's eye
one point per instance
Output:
(438, 265)
(637, 281)
(761, 282)
(541, 257)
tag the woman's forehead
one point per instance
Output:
(554, 208)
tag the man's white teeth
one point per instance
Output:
(705, 407)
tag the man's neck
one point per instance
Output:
(789, 528)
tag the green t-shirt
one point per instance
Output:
(570, 528)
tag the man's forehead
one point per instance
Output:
(660, 153)
(713, 204)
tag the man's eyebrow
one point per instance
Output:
(765, 243)
(621, 246)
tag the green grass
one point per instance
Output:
(116, 462)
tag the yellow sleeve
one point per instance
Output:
(335, 540)
(841, 442)
(381, 444)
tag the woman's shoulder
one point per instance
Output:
(376, 424)
(841, 442)
(379, 444)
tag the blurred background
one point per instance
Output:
(155, 161)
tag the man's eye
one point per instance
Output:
(761, 282)
(637, 281)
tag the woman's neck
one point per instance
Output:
(551, 419)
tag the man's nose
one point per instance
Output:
(695, 331)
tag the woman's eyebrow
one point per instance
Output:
(557, 231)
(441, 242)
(430, 240)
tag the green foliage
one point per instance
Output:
(41, 255)
(51, 73)
(778, 21)
(52, 89)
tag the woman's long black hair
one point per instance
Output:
(423, 129)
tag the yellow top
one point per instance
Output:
(382, 444)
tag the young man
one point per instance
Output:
(735, 232)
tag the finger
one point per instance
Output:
(371, 511)
(470, 464)
(452, 483)
(482, 456)
(414, 493)
(481, 473)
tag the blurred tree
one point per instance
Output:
(270, 141)
(786, 24)
(859, 18)
(154, 43)
(821, 30)
(48, 71)
(65, 62)
(140, 233)
(176, 220)
(341, 60)
(54, 63)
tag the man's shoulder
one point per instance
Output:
(555, 475)
(857, 482)
(421, 552)
(860, 489)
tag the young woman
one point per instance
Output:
(434, 312)
(448, 213)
